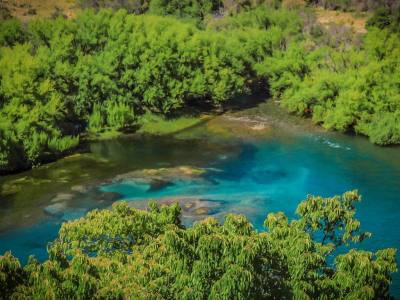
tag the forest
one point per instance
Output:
(117, 63)
(125, 253)
(62, 79)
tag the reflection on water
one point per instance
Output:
(252, 177)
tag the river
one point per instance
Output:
(254, 167)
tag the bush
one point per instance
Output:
(63, 144)
(120, 115)
(128, 253)
(96, 119)
(11, 32)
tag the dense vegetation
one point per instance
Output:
(357, 5)
(127, 253)
(352, 89)
(106, 68)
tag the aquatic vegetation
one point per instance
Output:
(125, 252)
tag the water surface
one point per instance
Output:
(252, 176)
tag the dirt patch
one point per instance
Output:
(28, 9)
(326, 17)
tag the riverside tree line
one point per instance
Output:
(105, 68)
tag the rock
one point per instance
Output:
(157, 185)
(150, 176)
(188, 205)
(108, 196)
(56, 209)
(259, 126)
(62, 197)
(201, 211)
(79, 188)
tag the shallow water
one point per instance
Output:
(249, 176)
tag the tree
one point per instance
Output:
(126, 252)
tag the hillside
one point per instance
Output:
(27, 9)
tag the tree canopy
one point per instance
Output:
(128, 253)
(104, 69)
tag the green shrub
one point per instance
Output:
(63, 144)
(129, 253)
(119, 115)
(96, 119)
(11, 32)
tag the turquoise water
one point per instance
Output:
(249, 177)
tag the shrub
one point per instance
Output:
(128, 253)
(119, 115)
(63, 144)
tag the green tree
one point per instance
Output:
(126, 252)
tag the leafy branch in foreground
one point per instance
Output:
(128, 253)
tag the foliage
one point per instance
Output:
(184, 8)
(385, 18)
(128, 253)
(105, 68)
(63, 144)
(346, 89)
(157, 125)
(355, 5)
(11, 32)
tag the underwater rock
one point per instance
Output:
(17, 185)
(62, 197)
(108, 196)
(9, 189)
(188, 205)
(201, 211)
(157, 185)
(80, 189)
(56, 209)
(162, 175)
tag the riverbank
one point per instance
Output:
(242, 171)
(29, 192)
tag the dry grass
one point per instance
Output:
(327, 17)
(28, 9)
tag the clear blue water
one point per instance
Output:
(253, 178)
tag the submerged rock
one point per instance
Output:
(17, 185)
(62, 197)
(108, 196)
(80, 189)
(162, 177)
(157, 185)
(201, 211)
(188, 205)
(56, 209)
